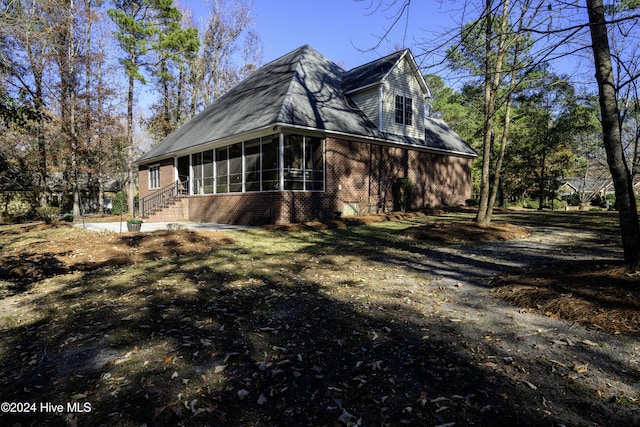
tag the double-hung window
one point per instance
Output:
(154, 176)
(404, 110)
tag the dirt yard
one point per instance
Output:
(388, 320)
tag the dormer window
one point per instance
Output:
(404, 110)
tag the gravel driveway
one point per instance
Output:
(565, 364)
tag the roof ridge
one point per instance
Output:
(287, 97)
(378, 59)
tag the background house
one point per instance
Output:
(302, 138)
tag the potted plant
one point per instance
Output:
(134, 224)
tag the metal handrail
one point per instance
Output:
(163, 197)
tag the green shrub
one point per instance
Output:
(572, 199)
(531, 204)
(18, 209)
(402, 189)
(134, 221)
(119, 204)
(471, 202)
(67, 217)
(48, 213)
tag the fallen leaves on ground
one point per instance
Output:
(81, 250)
(604, 296)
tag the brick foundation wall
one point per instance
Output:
(260, 208)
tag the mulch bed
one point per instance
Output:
(603, 296)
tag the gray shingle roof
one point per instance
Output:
(302, 89)
(370, 73)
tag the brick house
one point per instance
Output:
(302, 138)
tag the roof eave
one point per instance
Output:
(244, 136)
(361, 88)
(380, 140)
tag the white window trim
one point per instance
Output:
(151, 168)
(404, 109)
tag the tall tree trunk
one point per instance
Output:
(481, 217)
(543, 177)
(87, 90)
(131, 193)
(498, 168)
(69, 95)
(625, 199)
(166, 125)
(493, 71)
(178, 109)
(43, 189)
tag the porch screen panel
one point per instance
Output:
(222, 170)
(271, 163)
(314, 164)
(293, 162)
(235, 168)
(196, 163)
(252, 165)
(207, 172)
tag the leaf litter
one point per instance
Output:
(320, 334)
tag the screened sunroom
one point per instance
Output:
(272, 163)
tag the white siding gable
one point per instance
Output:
(378, 101)
(369, 102)
(402, 81)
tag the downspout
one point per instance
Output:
(380, 127)
(190, 175)
(380, 105)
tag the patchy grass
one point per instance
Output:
(323, 326)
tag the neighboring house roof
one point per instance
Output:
(301, 89)
(588, 185)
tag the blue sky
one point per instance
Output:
(344, 31)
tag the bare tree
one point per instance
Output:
(559, 36)
(26, 67)
(218, 71)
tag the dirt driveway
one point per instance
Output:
(556, 359)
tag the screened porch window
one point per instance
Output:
(222, 175)
(303, 163)
(202, 164)
(235, 168)
(255, 166)
(271, 163)
(293, 162)
(252, 165)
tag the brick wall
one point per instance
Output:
(167, 176)
(358, 176)
(366, 174)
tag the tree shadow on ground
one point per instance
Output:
(243, 337)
